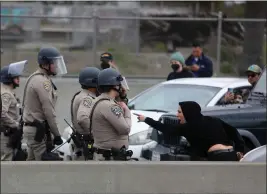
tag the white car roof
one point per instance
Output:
(213, 81)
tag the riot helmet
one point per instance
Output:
(52, 58)
(12, 71)
(88, 77)
(109, 79)
(105, 58)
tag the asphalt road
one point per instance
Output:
(67, 87)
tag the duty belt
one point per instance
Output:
(30, 124)
(102, 151)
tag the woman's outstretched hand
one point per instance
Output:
(141, 118)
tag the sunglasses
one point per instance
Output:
(251, 75)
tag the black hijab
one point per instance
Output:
(191, 111)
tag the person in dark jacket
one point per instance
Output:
(199, 63)
(177, 64)
(209, 137)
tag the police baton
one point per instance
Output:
(56, 148)
(68, 140)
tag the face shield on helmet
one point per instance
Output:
(124, 84)
(59, 67)
(17, 69)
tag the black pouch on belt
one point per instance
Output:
(40, 130)
(7, 131)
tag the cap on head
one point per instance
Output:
(106, 56)
(177, 56)
(254, 68)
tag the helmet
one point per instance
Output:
(51, 55)
(88, 76)
(9, 72)
(5, 77)
(109, 77)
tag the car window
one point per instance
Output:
(167, 96)
(238, 90)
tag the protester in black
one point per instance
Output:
(209, 137)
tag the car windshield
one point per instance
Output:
(165, 97)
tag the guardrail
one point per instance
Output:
(132, 177)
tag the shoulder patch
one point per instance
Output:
(116, 110)
(6, 98)
(87, 102)
(47, 85)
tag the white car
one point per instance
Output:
(164, 97)
(256, 155)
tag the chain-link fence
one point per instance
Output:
(140, 44)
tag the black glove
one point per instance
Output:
(58, 140)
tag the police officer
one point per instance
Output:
(107, 61)
(81, 103)
(110, 120)
(10, 112)
(39, 105)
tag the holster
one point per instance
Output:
(121, 154)
(40, 130)
(7, 131)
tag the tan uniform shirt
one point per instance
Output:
(80, 109)
(110, 124)
(40, 100)
(10, 110)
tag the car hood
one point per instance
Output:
(256, 155)
(136, 126)
(141, 126)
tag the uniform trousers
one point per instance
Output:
(6, 152)
(34, 149)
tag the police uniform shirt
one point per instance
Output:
(110, 124)
(81, 107)
(10, 112)
(40, 101)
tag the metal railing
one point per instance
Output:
(96, 19)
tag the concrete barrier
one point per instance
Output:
(132, 177)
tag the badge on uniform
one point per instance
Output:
(87, 102)
(47, 85)
(5, 98)
(116, 110)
